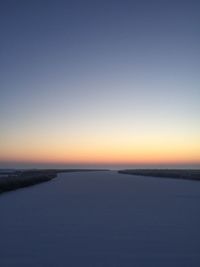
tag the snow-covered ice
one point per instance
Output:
(101, 219)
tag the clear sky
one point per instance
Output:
(99, 82)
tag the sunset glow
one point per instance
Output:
(115, 84)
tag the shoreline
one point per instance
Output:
(21, 179)
(185, 174)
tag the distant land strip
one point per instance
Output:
(187, 174)
(20, 179)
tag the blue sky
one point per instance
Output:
(89, 77)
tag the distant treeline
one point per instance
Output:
(23, 178)
(187, 174)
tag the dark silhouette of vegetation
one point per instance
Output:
(23, 178)
(19, 179)
(187, 174)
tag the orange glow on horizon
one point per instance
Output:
(106, 157)
(119, 148)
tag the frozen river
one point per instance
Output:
(101, 219)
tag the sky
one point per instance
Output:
(90, 83)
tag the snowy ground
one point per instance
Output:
(101, 219)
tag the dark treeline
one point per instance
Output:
(19, 179)
(187, 174)
(23, 178)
